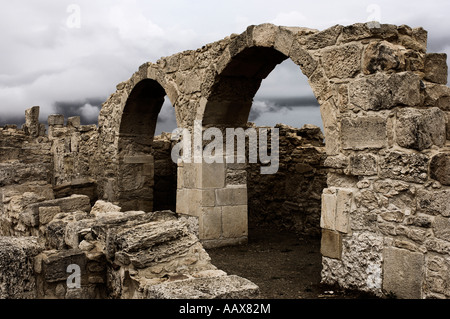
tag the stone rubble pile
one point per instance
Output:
(129, 255)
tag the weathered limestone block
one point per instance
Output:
(211, 223)
(360, 266)
(331, 130)
(437, 280)
(56, 120)
(262, 35)
(17, 277)
(303, 58)
(382, 56)
(436, 69)
(55, 264)
(434, 202)
(67, 204)
(413, 38)
(46, 214)
(212, 175)
(76, 230)
(106, 226)
(437, 95)
(364, 132)
(359, 31)
(221, 287)
(336, 208)
(234, 221)
(407, 167)
(74, 121)
(283, 40)
(342, 61)
(103, 207)
(441, 227)
(81, 186)
(331, 244)
(403, 273)
(363, 165)
(321, 39)
(328, 215)
(440, 168)
(32, 121)
(16, 173)
(57, 232)
(232, 195)
(420, 128)
(381, 91)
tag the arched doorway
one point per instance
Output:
(228, 106)
(142, 159)
(281, 207)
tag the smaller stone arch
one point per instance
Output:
(128, 121)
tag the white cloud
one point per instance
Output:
(293, 18)
(89, 112)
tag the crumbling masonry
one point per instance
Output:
(377, 191)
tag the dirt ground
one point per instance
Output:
(281, 264)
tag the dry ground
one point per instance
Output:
(281, 264)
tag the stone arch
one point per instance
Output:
(128, 121)
(245, 63)
(384, 103)
(136, 132)
(249, 58)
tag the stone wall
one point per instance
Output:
(165, 174)
(105, 253)
(384, 105)
(385, 108)
(291, 198)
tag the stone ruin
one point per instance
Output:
(109, 200)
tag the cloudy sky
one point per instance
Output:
(68, 56)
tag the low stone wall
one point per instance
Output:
(105, 253)
(17, 255)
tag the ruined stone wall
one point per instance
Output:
(384, 105)
(387, 195)
(165, 174)
(291, 198)
(26, 173)
(73, 149)
(385, 109)
(38, 167)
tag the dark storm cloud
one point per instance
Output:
(87, 109)
(273, 105)
(17, 120)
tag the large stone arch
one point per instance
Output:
(385, 109)
(238, 72)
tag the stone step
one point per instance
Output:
(222, 287)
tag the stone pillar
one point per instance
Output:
(221, 207)
(55, 121)
(32, 121)
(136, 182)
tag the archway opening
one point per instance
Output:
(144, 159)
(290, 199)
(282, 254)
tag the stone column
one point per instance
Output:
(221, 207)
(32, 121)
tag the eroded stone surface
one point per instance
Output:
(385, 109)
